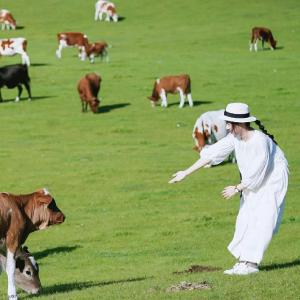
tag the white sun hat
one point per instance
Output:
(237, 113)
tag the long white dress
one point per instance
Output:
(264, 171)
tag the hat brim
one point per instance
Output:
(238, 120)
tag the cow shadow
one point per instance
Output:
(285, 265)
(196, 103)
(121, 19)
(81, 285)
(39, 65)
(108, 108)
(277, 48)
(56, 250)
(25, 99)
(20, 27)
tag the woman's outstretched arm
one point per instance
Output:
(180, 175)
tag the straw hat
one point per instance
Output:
(237, 113)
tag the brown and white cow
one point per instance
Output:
(88, 88)
(13, 46)
(19, 216)
(72, 39)
(263, 34)
(172, 84)
(103, 7)
(27, 270)
(97, 49)
(208, 129)
(7, 20)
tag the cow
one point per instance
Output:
(19, 216)
(172, 84)
(14, 76)
(103, 7)
(208, 129)
(88, 88)
(263, 34)
(97, 49)
(7, 20)
(72, 39)
(27, 269)
(13, 46)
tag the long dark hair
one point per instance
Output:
(264, 130)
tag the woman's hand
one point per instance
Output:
(178, 176)
(229, 191)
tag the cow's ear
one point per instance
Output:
(43, 196)
(20, 264)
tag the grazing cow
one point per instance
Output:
(72, 39)
(263, 34)
(172, 84)
(27, 270)
(88, 88)
(107, 8)
(7, 20)
(97, 49)
(19, 216)
(13, 46)
(14, 76)
(208, 129)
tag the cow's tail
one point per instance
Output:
(188, 85)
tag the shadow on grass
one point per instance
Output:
(196, 103)
(272, 267)
(81, 285)
(19, 27)
(26, 99)
(108, 108)
(120, 18)
(39, 65)
(47, 252)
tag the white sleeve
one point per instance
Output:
(219, 151)
(257, 168)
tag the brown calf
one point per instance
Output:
(172, 84)
(72, 39)
(263, 34)
(19, 216)
(7, 20)
(88, 88)
(95, 50)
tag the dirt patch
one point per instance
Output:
(198, 269)
(189, 286)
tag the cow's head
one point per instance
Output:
(94, 104)
(27, 272)
(155, 96)
(274, 43)
(112, 13)
(45, 212)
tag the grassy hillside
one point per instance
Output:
(127, 230)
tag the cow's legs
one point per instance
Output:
(190, 99)
(1, 99)
(263, 44)
(181, 104)
(255, 45)
(62, 44)
(27, 86)
(25, 59)
(100, 15)
(10, 270)
(82, 54)
(251, 46)
(20, 89)
(97, 14)
(163, 97)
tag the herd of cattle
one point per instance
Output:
(20, 215)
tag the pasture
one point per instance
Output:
(127, 230)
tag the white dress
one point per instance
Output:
(264, 172)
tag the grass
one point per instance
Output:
(127, 231)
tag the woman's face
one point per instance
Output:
(235, 128)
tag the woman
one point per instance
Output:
(264, 180)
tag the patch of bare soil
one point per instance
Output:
(189, 286)
(198, 269)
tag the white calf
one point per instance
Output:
(103, 7)
(13, 46)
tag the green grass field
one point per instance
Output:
(127, 230)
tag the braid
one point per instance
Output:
(262, 128)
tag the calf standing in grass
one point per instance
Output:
(19, 216)
(172, 84)
(88, 88)
(107, 8)
(13, 46)
(263, 34)
(27, 270)
(7, 20)
(97, 49)
(14, 76)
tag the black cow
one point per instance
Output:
(14, 76)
